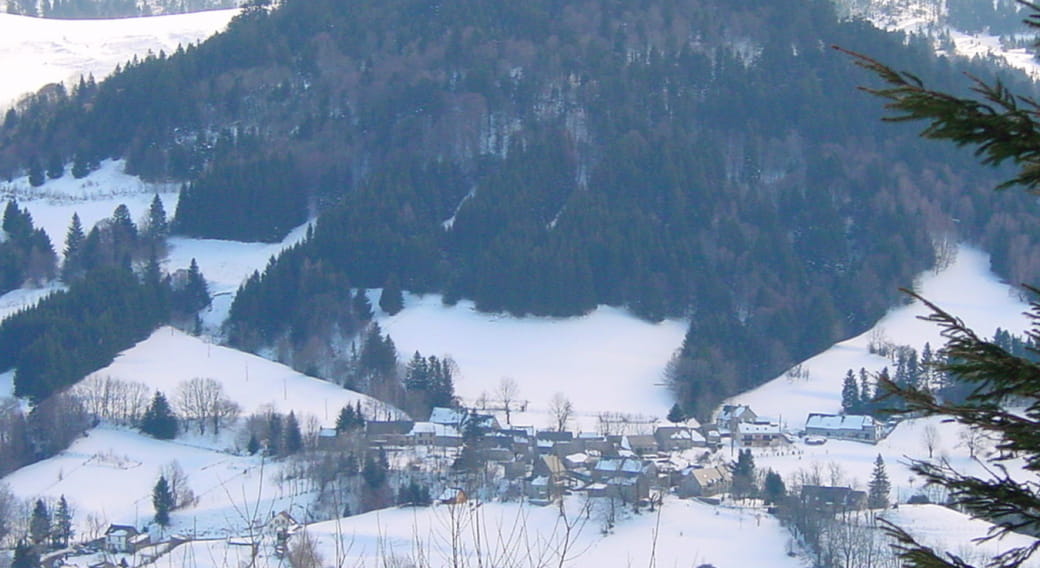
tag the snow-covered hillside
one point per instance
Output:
(928, 17)
(170, 357)
(966, 289)
(573, 356)
(36, 51)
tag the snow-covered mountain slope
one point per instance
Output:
(928, 17)
(36, 51)
(966, 289)
(170, 357)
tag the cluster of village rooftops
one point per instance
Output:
(542, 465)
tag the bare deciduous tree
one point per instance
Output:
(177, 480)
(507, 392)
(108, 398)
(561, 410)
(930, 436)
(203, 401)
(303, 551)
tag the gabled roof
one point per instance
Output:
(838, 422)
(124, 528)
(620, 465)
(736, 412)
(452, 416)
(706, 476)
(441, 430)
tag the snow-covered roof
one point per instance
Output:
(622, 465)
(441, 415)
(442, 430)
(838, 422)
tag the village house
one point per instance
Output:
(703, 481)
(843, 427)
(733, 414)
(833, 499)
(628, 478)
(433, 434)
(124, 539)
(759, 434)
(642, 445)
(388, 433)
(678, 438)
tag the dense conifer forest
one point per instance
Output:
(685, 158)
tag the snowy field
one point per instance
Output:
(574, 356)
(684, 534)
(108, 477)
(37, 51)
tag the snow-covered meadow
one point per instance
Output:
(35, 51)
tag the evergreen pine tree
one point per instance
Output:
(159, 421)
(362, 307)
(25, 556)
(744, 475)
(676, 414)
(162, 501)
(293, 437)
(773, 488)
(158, 226)
(36, 173)
(879, 487)
(61, 533)
(253, 446)
(55, 166)
(347, 419)
(194, 293)
(40, 524)
(74, 240)
(275, 437)
(850, 398)
(391, 299)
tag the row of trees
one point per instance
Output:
(200, 401)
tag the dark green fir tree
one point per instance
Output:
(162, 501)
(159, 421)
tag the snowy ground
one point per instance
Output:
(684, 534)
(170, 357)
(108, 477)
(941, 527)
(36, 51)
(966, 289)
(573, 356)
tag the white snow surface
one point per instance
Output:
(108, 476)
(606, 361)
(966, 289)
(938, 526)
(170, 357)
(35, 51)
(687, 533)
(93, 198)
